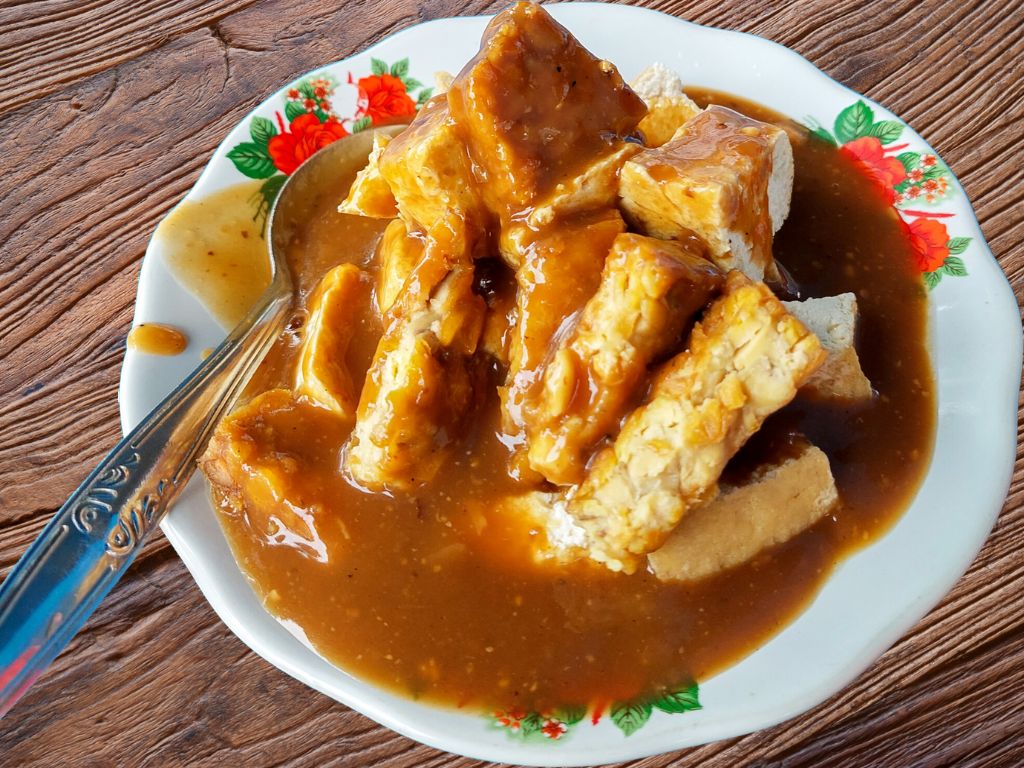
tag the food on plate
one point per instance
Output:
(834, 320)
(322, 375)
(650, 290)
(776, 503)
(668, 106)
(724, 176)
(746, 359)
(581, 411)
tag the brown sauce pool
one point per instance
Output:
(436, 596)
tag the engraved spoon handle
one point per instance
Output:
(93, 538)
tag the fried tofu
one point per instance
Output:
(650, 291)
(833, 320)
(560, 272)
(724, 176)
(256, 468)
(370, 194)
(322, 374)
(421, 384)
(668, 106)
(428, 171)
(747, 358)
(779, 501)
(538, 110)
(398, 253)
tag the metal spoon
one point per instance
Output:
(93, 538)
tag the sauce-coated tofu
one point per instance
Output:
(322, 375)
(724, 176)
(833, 320)
(668, 106)
(538, 110)
(779, 501)
(370, 194)
(398, 253)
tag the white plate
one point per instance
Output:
(869, 602)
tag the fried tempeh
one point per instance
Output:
(322, 375)
(779, 501)
(724, 176)
(747, 358)
(650, 291)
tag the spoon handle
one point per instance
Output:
(93, 538)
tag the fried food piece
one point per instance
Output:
(398, 253)
(322, 375)
(428, 170)
(370, 194)
(724, 176)
(668, 106)
(497, 284)
(421, 383)
(559, 273)
(442, 82)
(778, 502)
(833, 320)
(747, 358)
(538, 110)
(253, 462)
(650, 291)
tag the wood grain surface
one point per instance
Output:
(108, 111)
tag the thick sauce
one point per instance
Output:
(216, 249)
(435, 595)
(157, 339)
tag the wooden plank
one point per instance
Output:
(108, 112)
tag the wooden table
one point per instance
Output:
(109, 111)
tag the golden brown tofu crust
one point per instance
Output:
(779, 501)
(747, 358)
(423, 380)
(322, 374)
(650, 291)
(398, 253)
(536, 108)
(255, 467)
(370, 194)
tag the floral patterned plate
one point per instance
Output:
(872, 599)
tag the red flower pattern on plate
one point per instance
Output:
(867, 152)
(384, 98)
(304, 136)
(912, 182)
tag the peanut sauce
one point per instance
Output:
(157, 339)
(435, 595)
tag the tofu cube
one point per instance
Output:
(724, 176)
(779, 501)
(322, 374)
(668, 106)
(833, 320)
(370, 194)
(538, 110)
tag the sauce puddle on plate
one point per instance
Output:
(157, 339)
